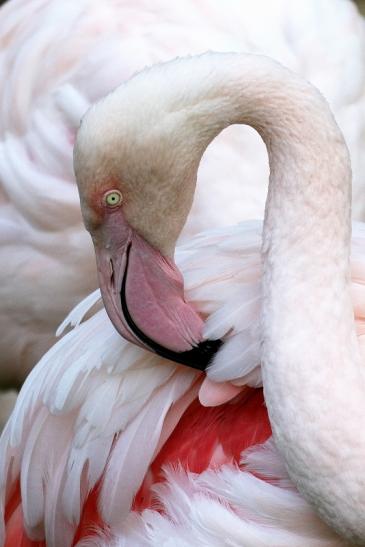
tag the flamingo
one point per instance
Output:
(57, 58)
(112, 444)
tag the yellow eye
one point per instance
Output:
(113, 198)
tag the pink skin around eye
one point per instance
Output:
(97, 201)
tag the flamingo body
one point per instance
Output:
(120, 408)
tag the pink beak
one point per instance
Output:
(143, 293)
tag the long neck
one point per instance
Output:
(313, 380)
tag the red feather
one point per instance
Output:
(201, 434)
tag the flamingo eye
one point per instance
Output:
(113, 198)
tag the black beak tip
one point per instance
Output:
(202, 355)
(198, 357)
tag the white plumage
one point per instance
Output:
(195, 515)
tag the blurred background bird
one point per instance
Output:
(57, 58)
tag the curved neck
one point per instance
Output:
(312, 371)
(310, 174)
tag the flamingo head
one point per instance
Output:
(135, 163)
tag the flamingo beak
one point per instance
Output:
(143, 293)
